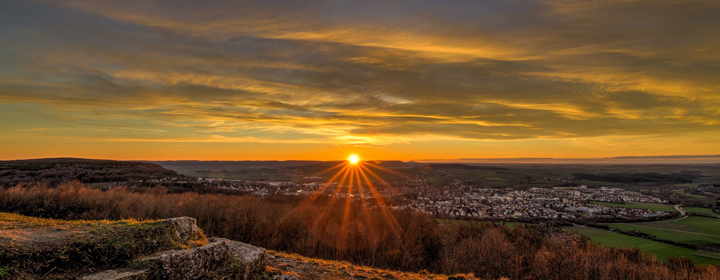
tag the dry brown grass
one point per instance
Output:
(313, 268)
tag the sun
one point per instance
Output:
(354, 159)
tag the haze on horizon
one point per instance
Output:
(401, 80)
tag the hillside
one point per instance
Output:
(441, 166)
(32, 248)
(54, 171)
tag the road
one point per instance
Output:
(682, 212)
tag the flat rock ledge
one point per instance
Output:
(248, 259)
(195, 263)
(220, 259)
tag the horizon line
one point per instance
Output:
(631, 159)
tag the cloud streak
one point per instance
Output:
(364, 72)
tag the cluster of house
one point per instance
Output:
(457, 200)
(536, 203)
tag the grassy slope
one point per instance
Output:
(659, 249)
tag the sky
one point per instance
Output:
(402, 80)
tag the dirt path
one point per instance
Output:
(677, 207)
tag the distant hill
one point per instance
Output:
(54, 171)
(272, 170)
(441, 166)
(630, 178)
(233, 165)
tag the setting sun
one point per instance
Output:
(354, 159)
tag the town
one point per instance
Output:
(456, 200)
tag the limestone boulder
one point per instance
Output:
(187, 228)
(248, 259)
(204, 262)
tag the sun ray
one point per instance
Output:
(325, 214)
(330, 169)
(310, 200)
(386, 169)
(354, 176)
(394, 225)
(369, 224)
(381, 180)
(346, 214)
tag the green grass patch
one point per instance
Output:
(701, 224)
(701, 210)
(672, 234)
(661, 250)
(5, 272)
(710, 226)
(439, 180)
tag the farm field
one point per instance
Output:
(692, 230)
(701, 210)
(703, 225)
(651, 206)
(661, 250)
(672, 234)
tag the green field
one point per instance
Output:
(701, 210)
(661, 250)
(692, 230)
(702, 225)
(651, 206)
(671, 234)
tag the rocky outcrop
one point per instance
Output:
(196, 263)
(248, 259)
(219, 259)
(34, 248)
(187, 228)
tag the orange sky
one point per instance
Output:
(249, 80)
